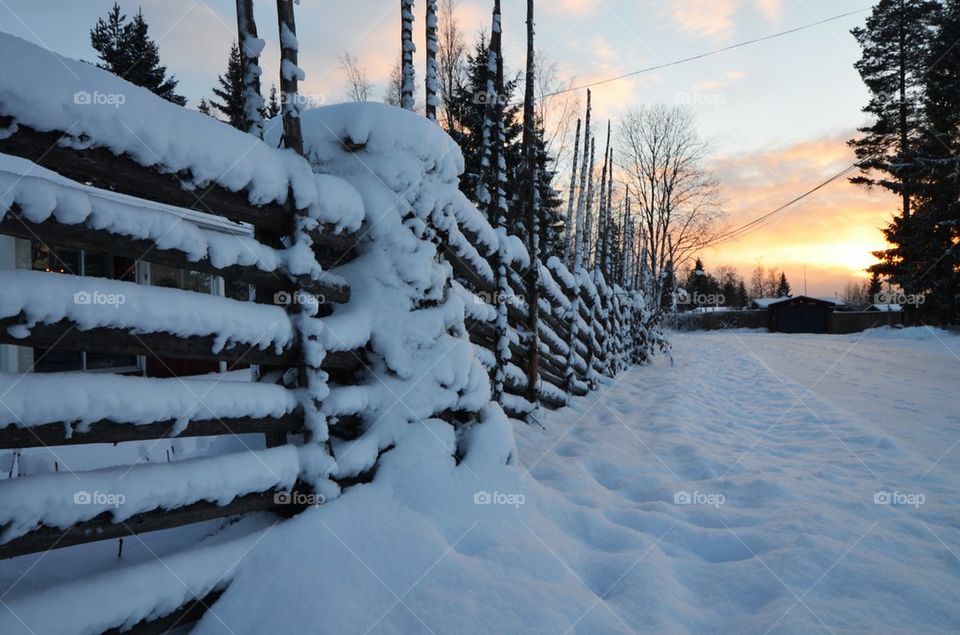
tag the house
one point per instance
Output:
(33, 254)
(802, 314)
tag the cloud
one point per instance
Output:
(577, 8)
(705, 18)
(772, 10)
(714, 18)
(831, 232)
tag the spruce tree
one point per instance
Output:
(743, 299)
(471, 99)
(874, 288)
(273, 105)
(783, 287)
(125, 49)
(109, 39)
(231, 90)
(204, 107)
(146, 69)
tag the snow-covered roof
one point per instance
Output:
(885, 307)
(762, 303)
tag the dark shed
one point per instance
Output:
(801, 314)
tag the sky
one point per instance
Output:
(776, 114)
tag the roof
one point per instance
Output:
(885, 307)
(763, 303)
(793, 299)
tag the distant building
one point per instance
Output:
(889, 308)
(802, 314)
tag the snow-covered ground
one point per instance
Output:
(765, 483)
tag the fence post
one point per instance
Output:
(250, 46)
(290, 74)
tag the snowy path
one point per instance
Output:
(780, 444)
(796, 433)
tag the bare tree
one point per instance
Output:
(857, 295)
(358, 86)
(758, 286)
(394, 93)
(677, 197)
(556, 111)
(451, 53)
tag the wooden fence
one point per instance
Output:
(571, 360)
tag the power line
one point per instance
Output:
(747, 228)
(707, 54)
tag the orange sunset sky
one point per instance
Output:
(776, 113)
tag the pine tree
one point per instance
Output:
(273, 105)
(551, 201)
(895, 44)
(471, 99)
(231, 90)
(204, 107)
(145, 68)
(743, 299)
(109, 39)
(874, 288)
(936, 226)
(783, 287)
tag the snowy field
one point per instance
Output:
(765, 483)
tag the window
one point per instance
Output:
(81, 263)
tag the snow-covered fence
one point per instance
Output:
(153, 182)
(372, 291)
(603, 343)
